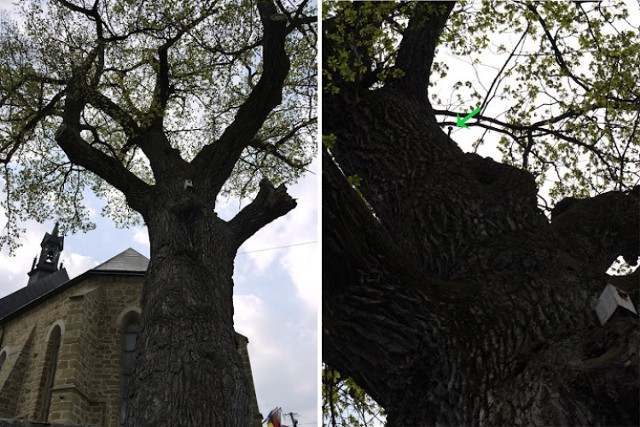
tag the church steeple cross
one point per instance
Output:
(52, 245)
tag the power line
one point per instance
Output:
(278, 247)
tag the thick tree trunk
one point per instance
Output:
(189, 372)
(459, 303)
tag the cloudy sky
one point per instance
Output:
(277, 289)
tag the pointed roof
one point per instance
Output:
(55, 238)
(129, 260)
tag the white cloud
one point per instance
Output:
(14, 268)
(259, 249)
(283, 356)
(141, 236)
(302, 263)
(77, 264)
(92, 213)
(283, 332)
(303, 266)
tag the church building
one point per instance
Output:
(68, 346)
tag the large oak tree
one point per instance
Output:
(162, 106)
(448, 295)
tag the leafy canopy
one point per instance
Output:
(213, 59)
(344, 403)
(556, 81)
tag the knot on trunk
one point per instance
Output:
(187, 207)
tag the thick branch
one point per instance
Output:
(92, 13)
(215, 162)
(163, 159)
(353, 238)
(270, 203)
(83, 154)
(504, 310)
(367, 281)
(128, 124)
(417, 49)
(414, 177)
(600, 228)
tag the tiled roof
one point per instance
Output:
(20, 298)
(129, 260)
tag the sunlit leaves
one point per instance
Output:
(572, 83)
(345, 404)
(329, 141)
(365, 38)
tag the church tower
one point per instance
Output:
(52, 244)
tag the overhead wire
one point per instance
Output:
(278, 247)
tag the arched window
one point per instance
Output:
(50, 364)
(130, 333)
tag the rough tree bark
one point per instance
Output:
(448, 296)
(188, 371)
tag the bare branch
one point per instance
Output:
(270, 204)
(163, 88)
(559, 58)
(33, 121)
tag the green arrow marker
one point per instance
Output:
(462, 122)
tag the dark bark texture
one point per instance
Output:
(447, 295)
(188, 355)
(189, 372)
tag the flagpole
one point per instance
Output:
(293, 420)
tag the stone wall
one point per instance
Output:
(92, 315)
(86, 388)
(241, 343)
(20, 423)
